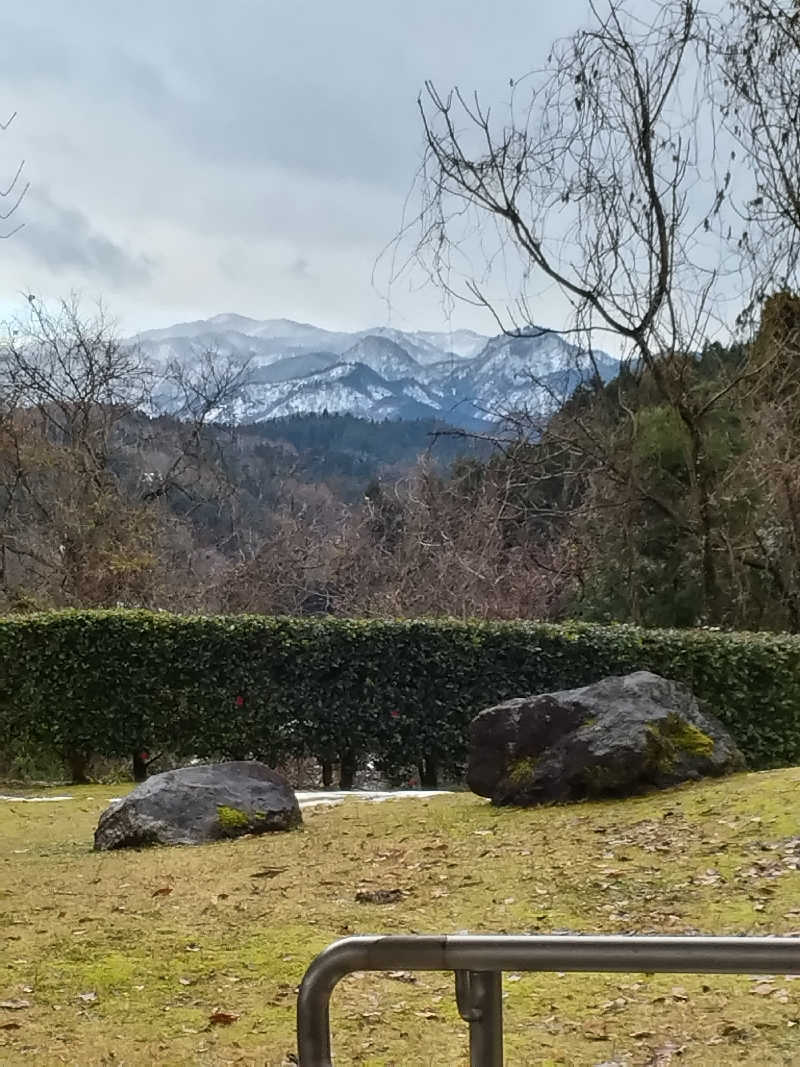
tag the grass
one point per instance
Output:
(124, 957)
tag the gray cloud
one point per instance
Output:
(299, 269)
(234, 144)
(64, 240)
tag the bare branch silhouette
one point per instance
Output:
(13, 190)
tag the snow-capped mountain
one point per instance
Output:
(460, 376)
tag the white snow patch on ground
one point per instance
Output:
(306, 799)
(316, 797)
(32, 800)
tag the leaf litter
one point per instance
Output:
(703, 858)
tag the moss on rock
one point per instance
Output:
(234, 822)
(521, 772)
(673, 737)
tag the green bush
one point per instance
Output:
(118, 682)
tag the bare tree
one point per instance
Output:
(602, 180)
(197, 392)
(759, 51)
(594, 178)
(66, 385)
(766, 475)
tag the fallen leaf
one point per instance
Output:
(379, 896)
(595, 1031)
(14, 1005)
(268, 872)
(163, 891)
(614, 1005)
(222, 1018)
(88, 998)
(403, 976)
(10, 1026)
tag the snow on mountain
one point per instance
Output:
(429, 348)
(464, 343)
(386, 357)
(381, 373)
(350, 387)
(537, 371)
(284, 370)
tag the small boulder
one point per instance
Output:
(616, 737)
(193, 805)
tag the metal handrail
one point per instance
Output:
(478, 961)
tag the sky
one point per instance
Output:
(190, 157)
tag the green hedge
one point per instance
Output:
(117, 682)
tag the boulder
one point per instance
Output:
(616, 737)
(193, 805)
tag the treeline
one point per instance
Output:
(327, 439)
(669, 497)
(104, 501)
(347, 453)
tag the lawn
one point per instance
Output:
(193, 955)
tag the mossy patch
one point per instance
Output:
(521, 772)
(673, 737)
(234, 822)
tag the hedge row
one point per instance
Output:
(117, 682)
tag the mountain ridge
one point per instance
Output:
(383, 372)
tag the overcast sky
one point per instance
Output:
(190, 157)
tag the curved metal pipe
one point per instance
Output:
(687, 955)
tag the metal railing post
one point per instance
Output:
(478, 961)
(479, 996)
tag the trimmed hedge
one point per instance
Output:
(117, 682)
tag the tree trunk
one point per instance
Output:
(702, 492)
(78, 763)
(139, 767)
(327, 772)
(428, 773)
(347, 769)
(710, 588)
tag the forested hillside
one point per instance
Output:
(670, 496)
(347, 452)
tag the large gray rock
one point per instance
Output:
(617, 737)
(193, 805)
